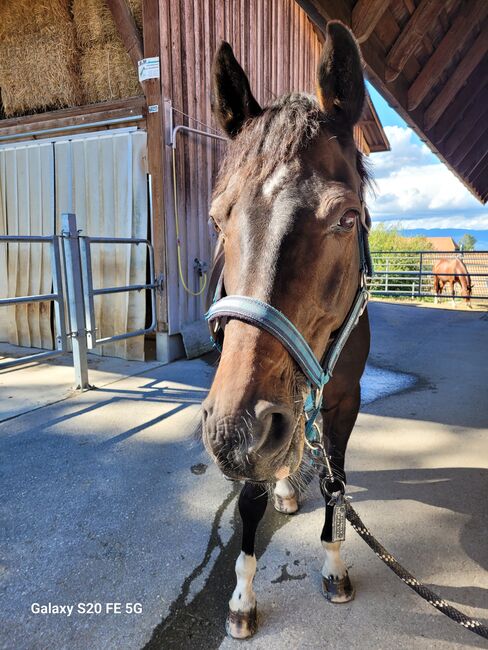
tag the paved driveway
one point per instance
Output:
(106, 498)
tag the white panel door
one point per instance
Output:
(26, 208)
(102, 179)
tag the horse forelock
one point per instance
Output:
(273, 140)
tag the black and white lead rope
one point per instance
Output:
(433, 599)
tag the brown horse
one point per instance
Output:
(287, 206)
(452, 271)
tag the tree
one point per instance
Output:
(388, 238)
(395, 258)
(467, 242)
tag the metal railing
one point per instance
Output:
(79, 293)
(56, 296)
(411, 273)
(90, 292)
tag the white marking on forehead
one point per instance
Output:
(275, 180)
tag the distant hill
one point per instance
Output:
(481, 236)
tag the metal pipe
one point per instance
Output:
(40, 298)
(189, 129)
(26, 238)
(73, 127)
(129, 287)
(59, 316)
(29, 359)
(75, 299)
(117, 240)
(425, 295)
(427, 273)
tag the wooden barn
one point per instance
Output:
(105, 112)
(83, 132)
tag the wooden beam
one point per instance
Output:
(461, 30)
(473, 159)
(477, 175)
(366, 15)
(479, 133)
(127, 28)
(466, 133)
(473, 56)
(320, 12)
(412, 34)
(464, 105)
(123, 110)
(155, 144)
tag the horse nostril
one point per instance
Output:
(206, 412)
(276, 423)
(279, 427)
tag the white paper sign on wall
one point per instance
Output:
(149, 68)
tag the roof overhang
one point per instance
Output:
(429, 62)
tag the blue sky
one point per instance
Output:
(413, 188)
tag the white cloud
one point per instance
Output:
(412, 185)
(479, 222)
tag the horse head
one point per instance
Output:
(287, 205)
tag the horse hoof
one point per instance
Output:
(241, 625)
(288, 506)
(338, 590)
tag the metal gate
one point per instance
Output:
(71, 261)
(410, 273)
(56, 296)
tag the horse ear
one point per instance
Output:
(232, 100)
(340, 80)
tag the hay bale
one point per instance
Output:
(136, 9)
(107, 72)
(21, 17)
(93, 22)
(38, 56)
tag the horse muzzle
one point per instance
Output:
(253, 444)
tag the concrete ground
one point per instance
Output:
(107, 497)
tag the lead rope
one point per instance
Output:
(427, 594)
(317, 447)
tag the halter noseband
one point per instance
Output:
(270, 319)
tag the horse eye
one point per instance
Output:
(214, 225)
(348, 219)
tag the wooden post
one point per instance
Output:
(155, 144)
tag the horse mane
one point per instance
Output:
(275, 137)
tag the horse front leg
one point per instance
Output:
(242, 618)
(285, 498)
(338, 424)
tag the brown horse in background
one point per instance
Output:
(451, 271)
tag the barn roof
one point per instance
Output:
(428, 58)
(372, 128)
(443, 243)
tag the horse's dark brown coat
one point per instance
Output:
(291, 172)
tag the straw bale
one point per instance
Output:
(107, 72)
(136, 9)
(94, 23)
(19, 17)
(38, 56)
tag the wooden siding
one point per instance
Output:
(278, 48)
